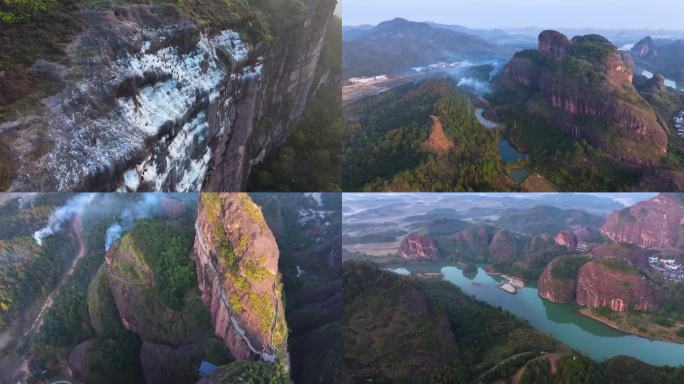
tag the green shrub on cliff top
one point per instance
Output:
(567, 268)
(166, 249)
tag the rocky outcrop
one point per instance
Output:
(555, 288)
(132, 284)
(553, 44)
(237, 267)
(417, 246)
(658, 222)
(289, 79)
(437, 142)
(599, 285)
(566, 238)
(587, 90)
(154, 100)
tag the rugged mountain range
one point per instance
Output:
(584, 86)
(156, 96)
(400, 44)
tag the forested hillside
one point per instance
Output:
(388, 143)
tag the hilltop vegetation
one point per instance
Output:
(385, 149)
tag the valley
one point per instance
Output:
(587, 277)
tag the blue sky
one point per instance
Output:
(609, 14)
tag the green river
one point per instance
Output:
(586, 335)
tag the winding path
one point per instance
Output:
(78, 230)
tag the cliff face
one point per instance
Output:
(553, 44)
(554, 288)
(152, 100)
(601, 286)
(653, 223)
(587, 90)
(237, 267)
(416, 246)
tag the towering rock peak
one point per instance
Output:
(658, 222)
(609, 283)
(553, 44)
(417, 246)
(237, 266)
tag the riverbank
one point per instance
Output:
(637, 325)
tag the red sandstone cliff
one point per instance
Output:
(416, 246)
(555, 289)
(587, 91)
(237, 268)
(601, 286)
(658, 222)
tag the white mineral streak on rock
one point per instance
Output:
(170, 101)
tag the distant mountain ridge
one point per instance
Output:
(399, 44)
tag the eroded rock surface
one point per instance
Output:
(416, 246)
(237, 266)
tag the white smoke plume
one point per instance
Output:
(148, 206)
(479, 87)
(497, 67)
(113, 234)
(73, 206)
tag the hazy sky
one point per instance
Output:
(610, 14)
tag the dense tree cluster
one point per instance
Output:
(166, 249)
